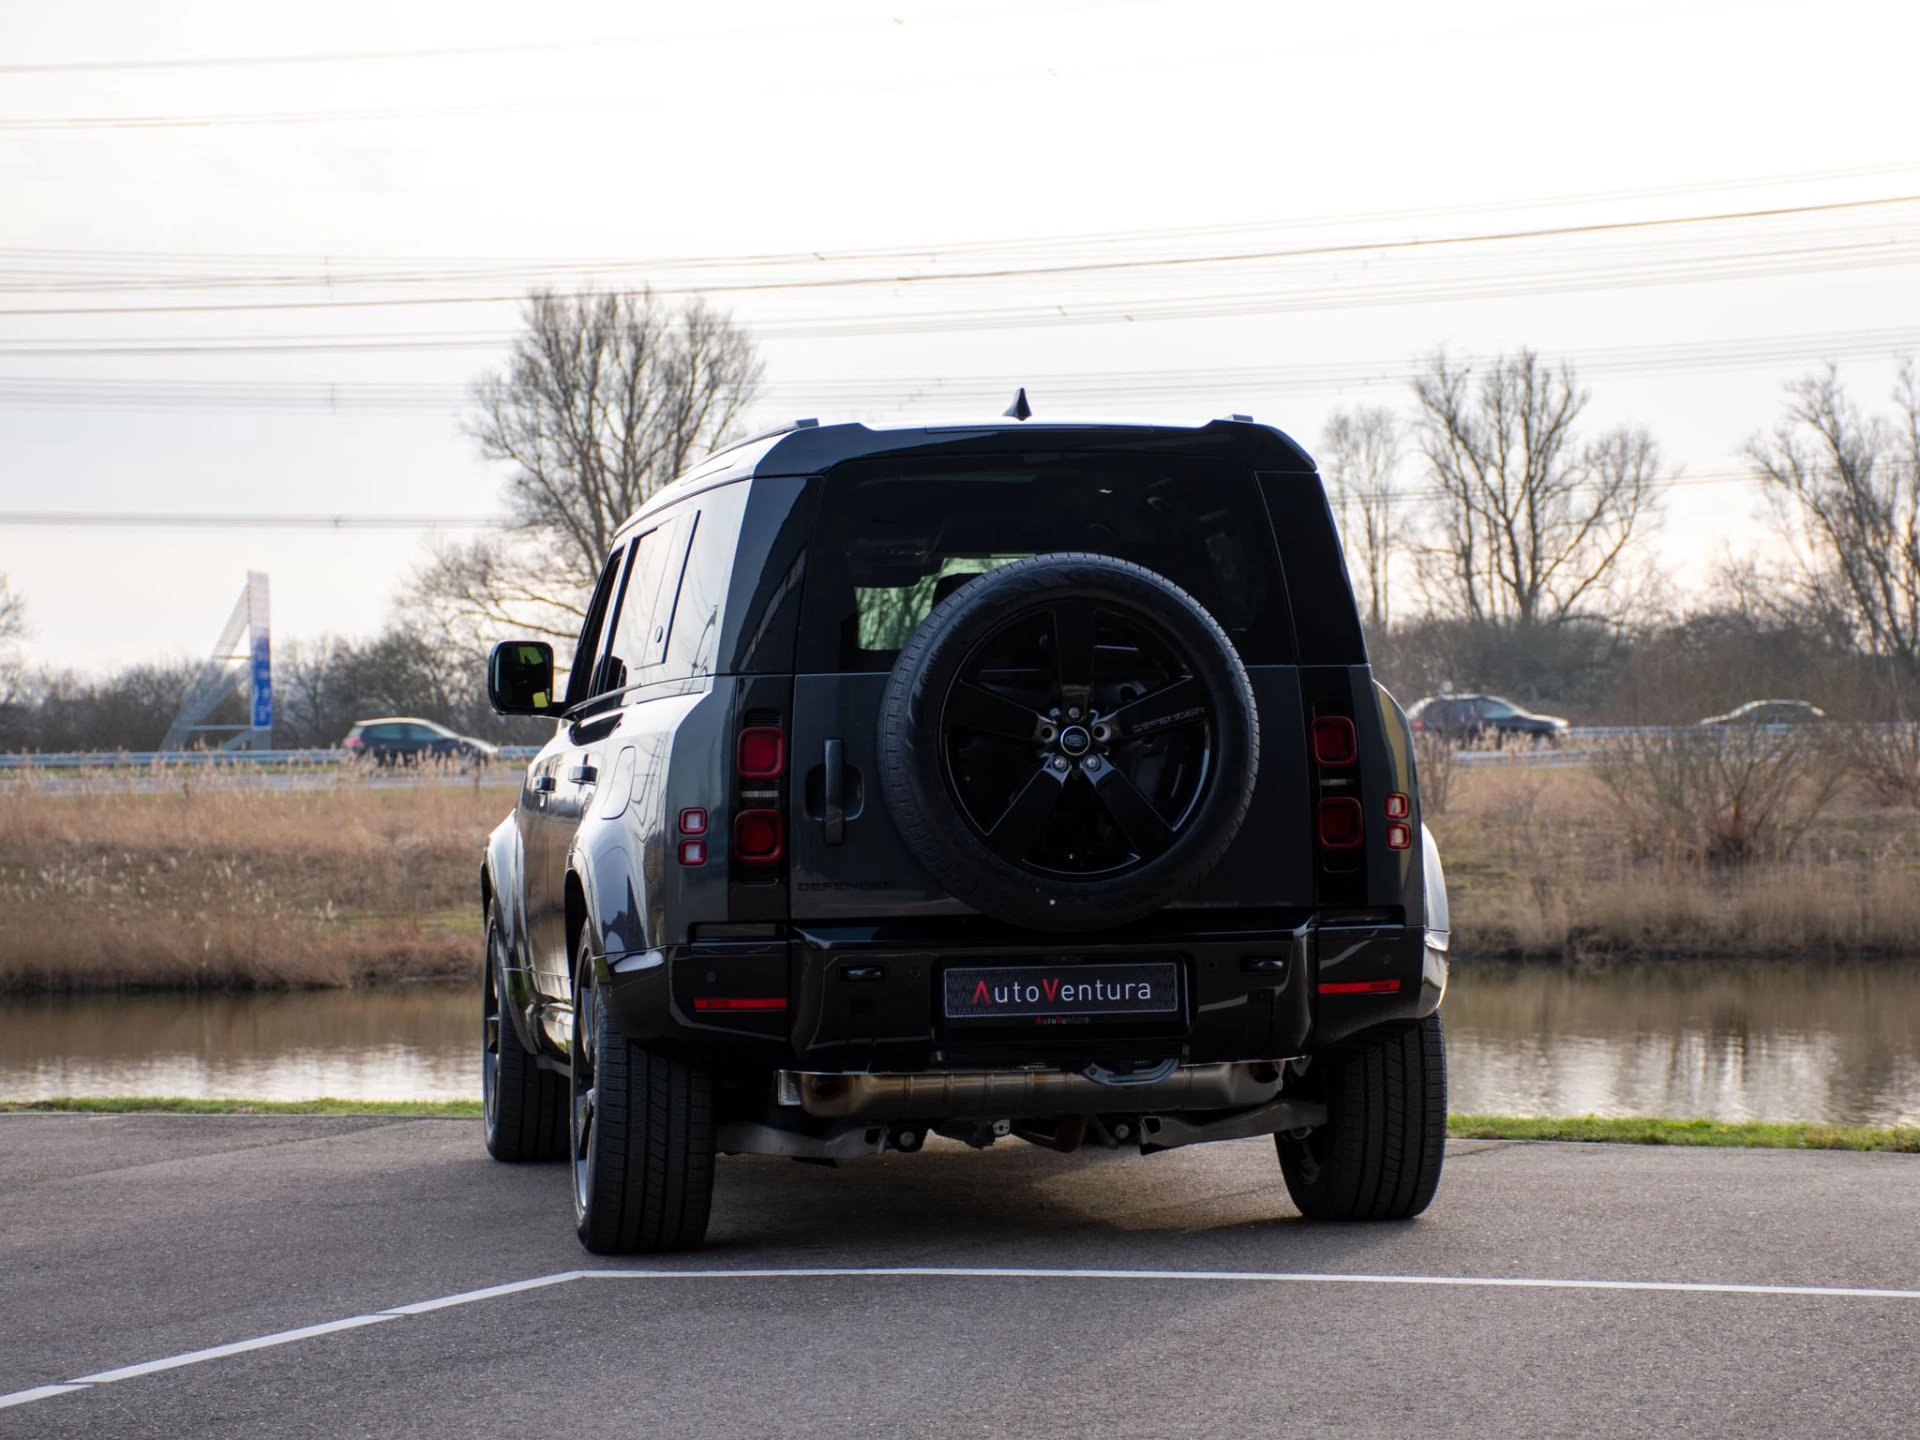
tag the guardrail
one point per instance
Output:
(209, 759)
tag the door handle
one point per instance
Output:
(834, 803)
(543, 784)
(583, 775)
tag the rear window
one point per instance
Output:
(894, 539)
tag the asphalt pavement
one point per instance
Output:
(1663, 1292)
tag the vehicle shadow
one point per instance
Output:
(1213, 1206)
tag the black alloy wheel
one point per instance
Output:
(642, 1130)
(1068, 742)
(523, 1104)
(1076, 739)
(581, 1097)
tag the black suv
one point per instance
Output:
(1012, 779)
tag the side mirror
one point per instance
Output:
(520, 678)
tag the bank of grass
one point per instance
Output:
(209, 888)
(218, 888)
(1541, 865)
(1748, 1134)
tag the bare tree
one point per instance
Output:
(13, 629)
(1847, 496)
(13, 614)
(605, 398)
(1362, 456)
(1531, 526)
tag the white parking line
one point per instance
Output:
(942, 1272)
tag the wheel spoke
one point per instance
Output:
(1073, 646)
(1013, 834)
(1182, 703)
(976, 709)
(1132, 812)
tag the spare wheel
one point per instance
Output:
(1068, 742)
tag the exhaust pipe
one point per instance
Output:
(1011, 1093)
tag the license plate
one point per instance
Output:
(1013, 992)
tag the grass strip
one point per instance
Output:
(178, 1105)
(1751, 1134)
(1762, 1134)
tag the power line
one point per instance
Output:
(184, 520)
(1229, 383)
(337, 269)
(267, 520)
(524, 47)
(1044, 272)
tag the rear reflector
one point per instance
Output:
(735, 1002)
(1399, 835)
(1360, 987)
(1398, 806)
(693, 852)
(758, 836)
(1342, 823)
(1334, 742)
(762, 752)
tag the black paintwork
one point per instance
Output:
(845, 928)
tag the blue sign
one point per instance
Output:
(262, 683)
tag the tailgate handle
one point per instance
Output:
(834, 792)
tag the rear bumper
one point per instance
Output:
(852, 1000)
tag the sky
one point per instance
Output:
(252, 256)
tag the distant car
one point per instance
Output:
(1770, 712)
(1468, 719)
(406, 740)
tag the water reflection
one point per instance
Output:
(409, 1042)
(1763, 1041)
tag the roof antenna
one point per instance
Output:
(1019, 409)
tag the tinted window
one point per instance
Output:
(646, 609)
(894, 539)
(580, 676)
(626, 652)
(693, 636)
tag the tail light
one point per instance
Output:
(761, 753)
(1398, 806)
(354, 742)
(1399, 835)
(693, 830)
(759, 836)
(1343, 825)
(1334, 741)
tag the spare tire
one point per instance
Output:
(1068, 742)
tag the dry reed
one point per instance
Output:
(220, 887)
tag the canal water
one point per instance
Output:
(1768, 1041)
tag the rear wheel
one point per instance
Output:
(525, 1106)
(642, 1131)
(1378, 1155)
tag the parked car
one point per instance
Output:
(1473, 719)
(1770, 712)
(407, 739)
(983, 783)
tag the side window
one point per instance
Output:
(646, 611)
(624, 656)
(693, 639)
(580, 677)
